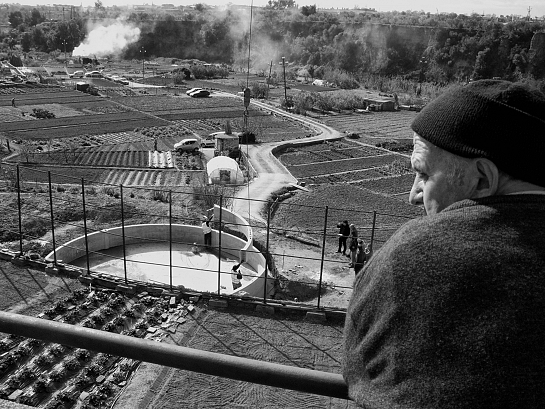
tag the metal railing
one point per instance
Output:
(211, 363)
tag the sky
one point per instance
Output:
(497, 7)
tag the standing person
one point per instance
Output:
(361, 256)
(450, 312)
(13, 102)
(236, 276)
(353, 244)
(344, 232)
(207, 230)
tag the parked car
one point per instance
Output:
(202, 93)
(208, 142)
(187, 145)
(123, 80)
(192, 90)
(94, 74)
(77, 74)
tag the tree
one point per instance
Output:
(281, 4)
(26, 42)
(308, 10)
(36, 18)
(15, 19)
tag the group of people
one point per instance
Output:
(358, 249)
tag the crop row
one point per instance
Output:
(345, 201)
(22, 90)
(209, 114)
(53, 375)
(345, 177)
(346, 165)
(62, 174)
(79, 130)
(300, 156)
(201, 125)
(391, 185)
(167, 102)
(48, 98)
(102, 107)
(93, 158)
(150, 177)
(379, 124)
(81, 121)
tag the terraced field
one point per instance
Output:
(384, 125)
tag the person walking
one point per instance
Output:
(353, 244)
(207, 230)
(13, 103)
(344, 232)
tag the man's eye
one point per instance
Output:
(421, 175)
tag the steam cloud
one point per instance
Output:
(108, 39)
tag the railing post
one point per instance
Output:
(20, 214)
(373, 229)
(323, 255)
(170, 233)
(267, 256)
(123, 233)
(85, 224)
(219, 246)
(52, 221)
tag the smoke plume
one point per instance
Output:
(108, 39)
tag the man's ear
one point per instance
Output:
(488, 178)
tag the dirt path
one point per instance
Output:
(271, 173)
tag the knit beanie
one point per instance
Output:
(498, 120)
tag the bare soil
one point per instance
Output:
(279, 338)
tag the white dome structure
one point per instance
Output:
(223, 169)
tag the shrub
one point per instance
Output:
(160, 196)
(42, 113)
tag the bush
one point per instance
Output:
(42, 113)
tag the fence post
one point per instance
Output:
(170, 233)
(373, 229)
(323, 255)
(219, 246)
(123, 233)
(267, 256)
(85, 224)
(52, 221)
(20, 215)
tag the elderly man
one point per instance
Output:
(450, 312)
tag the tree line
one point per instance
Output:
(345, 46)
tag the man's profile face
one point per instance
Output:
(436, 185)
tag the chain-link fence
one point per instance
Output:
(43, 210)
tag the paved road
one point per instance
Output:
(271, 174)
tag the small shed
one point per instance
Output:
(224, 170)
(226, 143)
(82, 86)
(380, 104)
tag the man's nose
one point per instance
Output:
(415, 197)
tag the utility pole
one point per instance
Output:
(269, 80)
(64, 42)
(285, 87)
(142, 52)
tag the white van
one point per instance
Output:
(187, 145)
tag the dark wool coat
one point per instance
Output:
(450, 312)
